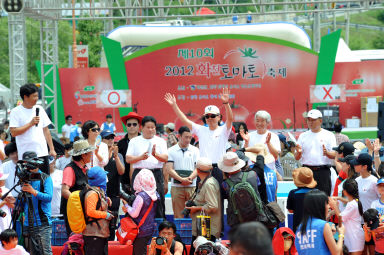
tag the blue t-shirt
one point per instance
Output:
(74, 133)
(271, 183)
(313, 241)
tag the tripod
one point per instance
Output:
(22, 198)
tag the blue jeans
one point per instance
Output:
(38, 240)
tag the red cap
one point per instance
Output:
(131, 115)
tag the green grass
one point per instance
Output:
(365, 18)
(359, 39)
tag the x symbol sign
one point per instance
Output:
(327, 93)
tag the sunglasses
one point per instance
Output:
(212, 116)
(95, 129)
(131, 124)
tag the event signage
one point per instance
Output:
(261, 73)
(333, 93)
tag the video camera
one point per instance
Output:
(24, 167)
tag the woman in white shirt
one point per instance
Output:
(366, 181)
(354, 233)
(91, 131)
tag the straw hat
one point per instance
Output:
(204, 164)
(81, 147)
(359, 146)
(230, 163)
(262, 150)
(303, 177)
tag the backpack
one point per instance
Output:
(77, 218)
(247, 205)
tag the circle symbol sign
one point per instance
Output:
(113, 98)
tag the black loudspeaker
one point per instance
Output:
(380, 135)
(380, 116)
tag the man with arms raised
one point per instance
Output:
(212, 138)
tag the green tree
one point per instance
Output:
(89, 34)
(33, 48)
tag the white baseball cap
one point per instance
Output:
(314, 114)
(170, 125)
(212, 109)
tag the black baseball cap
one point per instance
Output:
(29, 155)
(348, 159)
(363, 159)
(345, 148)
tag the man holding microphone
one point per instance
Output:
(29, 124)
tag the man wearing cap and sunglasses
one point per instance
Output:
(132, 121)
(213, 138)
(314, 148)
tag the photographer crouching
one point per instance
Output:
(165, 244)
(205, 200)
(35, 198)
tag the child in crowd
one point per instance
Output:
(314, 235)
(7, 204)
(379, 203)
(367, 187)
(283, 242)
(354, 234)
(374, 230)
(349, 170)
(9, 245)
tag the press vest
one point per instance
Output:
(313, 241)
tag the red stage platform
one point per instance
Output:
(114, 248)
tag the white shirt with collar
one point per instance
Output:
(312, 146)
(212, 143)
(139, 145)
(183, 160)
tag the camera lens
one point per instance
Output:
(160, 240)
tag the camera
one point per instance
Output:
(127, 197)
(186, 212)
(24, 167)
(160, 240)
(2, 213)
(205, 249)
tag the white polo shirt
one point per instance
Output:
(212, 143)
(312, 145)
(183, 160)
(255, 138)
(139, 145)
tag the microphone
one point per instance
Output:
(37, 114)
